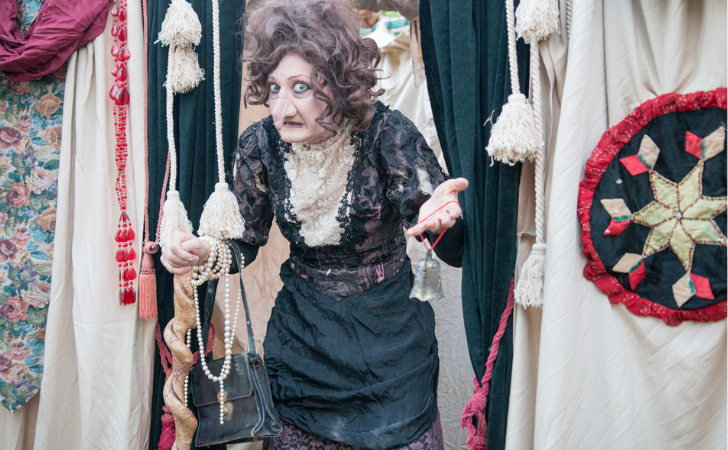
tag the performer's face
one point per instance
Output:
(292, 103)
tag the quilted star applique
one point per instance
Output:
(653, 207)
(679, 217)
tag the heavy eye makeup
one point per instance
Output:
(299, 87)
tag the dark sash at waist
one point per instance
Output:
(345, 275)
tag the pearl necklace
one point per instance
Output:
(217, 265)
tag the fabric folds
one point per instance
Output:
(464, 45)
(195, 141)
(60, 27)
(589, 374)
(335, 365)
(95, 393)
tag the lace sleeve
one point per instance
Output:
(412, 170)
(250, 183)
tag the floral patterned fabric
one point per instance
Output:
(30, 141)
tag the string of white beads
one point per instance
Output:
(187, 376)
(216, 266)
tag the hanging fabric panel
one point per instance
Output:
(31, 113)
(95, 392)
(194, 139)
(61, 28)
(464, 45)
(588, 374)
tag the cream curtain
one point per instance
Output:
(18, 429)
(96, 388)
(586, 374)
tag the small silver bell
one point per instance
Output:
(427, 286)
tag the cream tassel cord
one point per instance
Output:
(221, 217)
(539, 20)
(514, 137)
(174, 215)
(536, 20)
(181, 29)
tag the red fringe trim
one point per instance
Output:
(148, 283)
(612, 141)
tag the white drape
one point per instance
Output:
(96, 387)
(18, 429)
(587, 374)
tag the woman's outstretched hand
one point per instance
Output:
(182, 251)
(445, 217)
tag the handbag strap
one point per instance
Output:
(252, 351)
(210, 302)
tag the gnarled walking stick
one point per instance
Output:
(182, 359)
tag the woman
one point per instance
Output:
(351, 358)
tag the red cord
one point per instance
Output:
(475, 408)
(146, 128)
(443, 231)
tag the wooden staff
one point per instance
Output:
(174, 335)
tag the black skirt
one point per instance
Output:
(361, 370)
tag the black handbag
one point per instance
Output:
(249, 414)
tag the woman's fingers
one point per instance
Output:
(439, 221)
(459, 184)
(445, 197)
(178, 260)
(177, 250)
(173, 268)
(416, 230)
(451, 187)
(175, 257)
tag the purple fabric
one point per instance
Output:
(294, 438)
(58, 30)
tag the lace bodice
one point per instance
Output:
(343, 205)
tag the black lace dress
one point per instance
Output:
(351, 358)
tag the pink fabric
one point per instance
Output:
(60, 27)
(168, 435)
(476, 405)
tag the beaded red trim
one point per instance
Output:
(610, 144)
(119, 94)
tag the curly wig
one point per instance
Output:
(325, 33)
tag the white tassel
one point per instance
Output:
(174, 218)
(515, 136)
(184, 73)
(181, 26)
(221, 216)
(529, 291)
(537, 19)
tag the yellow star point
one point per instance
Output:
(681, 216)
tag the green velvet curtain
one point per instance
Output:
(195, 140)
(465, 50)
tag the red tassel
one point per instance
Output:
(148, 283)
(167, 437)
